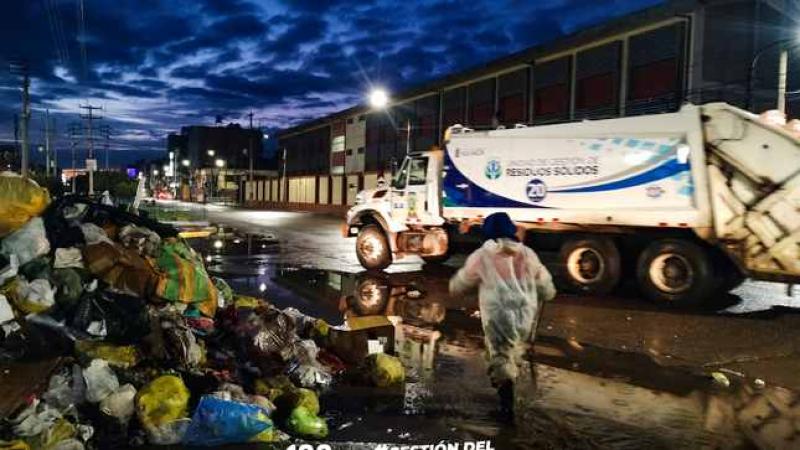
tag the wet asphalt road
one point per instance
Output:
(611, 372)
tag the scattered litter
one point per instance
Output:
(28, 242)
(759, 383)
(721, 379)
(120, 404)
(219, 422)
(385, 370)
(100, 381)
(66, 258)
(147, 330)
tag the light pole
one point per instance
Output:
(186, 163)
(379, 100)
(219, 163)
(782, 71)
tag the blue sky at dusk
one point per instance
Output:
(157, 65)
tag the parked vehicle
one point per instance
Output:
(690, 203)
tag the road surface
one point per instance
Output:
(612, 370)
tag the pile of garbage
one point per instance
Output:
(154, 350)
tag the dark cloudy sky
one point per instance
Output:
(157, 65)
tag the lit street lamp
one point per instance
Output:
(378, 98)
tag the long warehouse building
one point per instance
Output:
(647, 62)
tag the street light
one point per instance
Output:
(210, 153)
(185, 163)
(782, 70)
(219, 163)
(378, 98)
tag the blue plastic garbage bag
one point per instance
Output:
(218, 422)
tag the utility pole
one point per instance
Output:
(21, 68)
(250, 150)
(54, 145)
(106, 130)
(47, 143)
(91, 163)
(73, 131)
(783, 68)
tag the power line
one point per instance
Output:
(91, 163)
(20, 67)
(75, 131)
(82, 34)
(106, 131)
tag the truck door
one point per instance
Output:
(409, 191)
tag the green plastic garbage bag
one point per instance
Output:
(69, 286)
(305, 424)
(385, 370)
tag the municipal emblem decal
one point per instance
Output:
(493, 169)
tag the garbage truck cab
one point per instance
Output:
(402, 217)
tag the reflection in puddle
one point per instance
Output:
(576, 396)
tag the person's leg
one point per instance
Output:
(503, 373)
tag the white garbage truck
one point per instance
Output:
(689, 203)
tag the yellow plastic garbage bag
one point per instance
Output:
(385, 370)
(161, 406)
(14, 445)
(20, 200)
(122, 356)
(294, 398)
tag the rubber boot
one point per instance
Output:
(506, 394)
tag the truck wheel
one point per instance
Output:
(591, 264)
(372, 248)
(675, 272)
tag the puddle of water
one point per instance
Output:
(573, 396)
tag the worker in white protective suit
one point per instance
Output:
(511, 284)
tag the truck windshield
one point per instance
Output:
(400, 177)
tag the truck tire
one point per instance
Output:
(675, 272)
(591, 265)
(372, 248)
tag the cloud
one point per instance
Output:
(157, 66)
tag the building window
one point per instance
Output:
(350, 121)
(361, 118)
(360, 150)
(513, 97)
(481, 103)
(552, 100)
(655, 70)
(596, 79)
(552, 90)
(596, 91)
(654, 80)
(453, 107)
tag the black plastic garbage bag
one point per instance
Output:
(115, 317)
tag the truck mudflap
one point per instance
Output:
(758, 221)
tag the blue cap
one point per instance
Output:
(499, 225)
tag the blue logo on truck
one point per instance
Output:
(536, 190)
(493, 169)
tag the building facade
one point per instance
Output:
(647, 62)
(215, 161)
